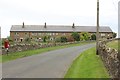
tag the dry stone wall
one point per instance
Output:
(24, 47)
(111, 59)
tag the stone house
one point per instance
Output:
(35, 32)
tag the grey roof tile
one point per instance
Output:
(59, 28)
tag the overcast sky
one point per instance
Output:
(57, 12)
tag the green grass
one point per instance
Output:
(16, 55)
(87, 65)
(0, 58)
(113, 44)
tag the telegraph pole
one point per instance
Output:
(97, 31)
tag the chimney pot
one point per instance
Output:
(23, 25)
(73, 26)
(45, 25)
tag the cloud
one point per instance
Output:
(81, 12)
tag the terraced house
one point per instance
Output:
(36, 32)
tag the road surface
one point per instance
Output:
(52, 64)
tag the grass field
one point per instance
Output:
(114, 44)
(87, 65)
(16, 55)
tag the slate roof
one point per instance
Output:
(59, 28)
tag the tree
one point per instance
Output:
(114, 35)
(76, 36)
(93, 37)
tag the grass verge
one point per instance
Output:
(16, 55)
(0, 59)
(113, 44)
(87, 65)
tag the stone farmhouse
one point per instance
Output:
(20, 32)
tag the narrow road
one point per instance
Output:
(52, 64)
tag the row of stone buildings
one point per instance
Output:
(20, 32)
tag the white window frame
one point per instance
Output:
(102, 34)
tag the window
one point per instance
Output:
(56, 33)
(16, 34)
(53, 33)
(51, 38)
(47, 34)
(16, 39)
(26, 34)
(50, 34)
(21, 39)
(102, 34)
(39, 33)
(34, 34)
(108, 34)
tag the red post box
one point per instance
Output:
(6, 44)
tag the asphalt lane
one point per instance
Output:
(52, 64)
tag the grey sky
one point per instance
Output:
(57, 12)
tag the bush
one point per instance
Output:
(76, 36)
(70, 39)
(58, 39)
(63, 39)
(10, 39)
(85, 35)
(27, 39)
(44, 38)
(3, 41)
(114, 35)
(82, 38)
(93, 37)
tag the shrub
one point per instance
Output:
(93, 37)
(70, 39)
(44, 38)
(27, 39)
(76, 36)
(85, 36)
(82, 38)
(63, 39)
(114, 35)
(58, 39)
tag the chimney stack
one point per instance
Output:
(23, 26)
(73, 26)
(45, 25)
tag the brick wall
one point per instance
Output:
(30, 35)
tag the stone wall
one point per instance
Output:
(110, 58)
(24, 47)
